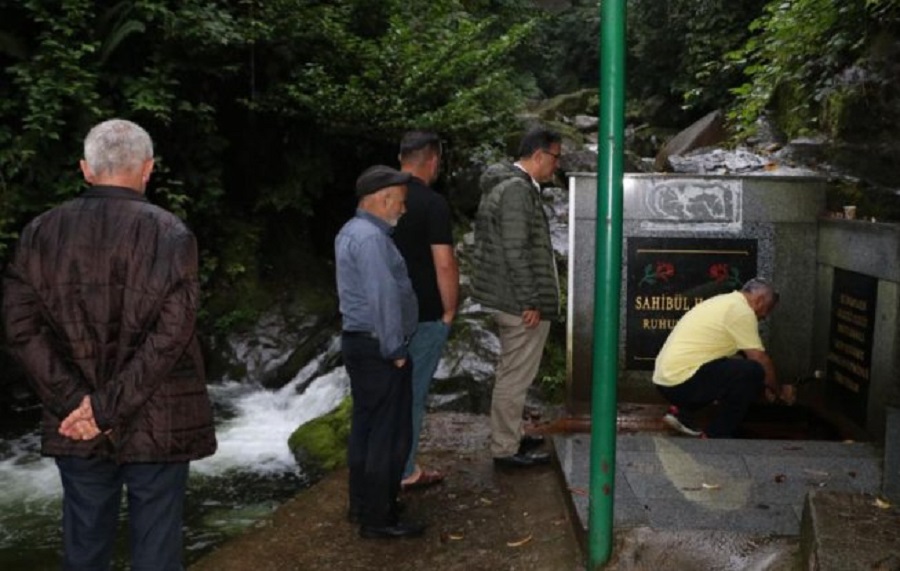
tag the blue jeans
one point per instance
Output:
(425, 348)
(92, 495)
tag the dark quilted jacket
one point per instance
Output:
(514, 265)
(100, 299)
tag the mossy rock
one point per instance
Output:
(320, 445)
(582, 102)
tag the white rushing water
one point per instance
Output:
(252, 440)
(25, 476)
(256, 438)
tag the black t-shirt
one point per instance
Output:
(426, 223)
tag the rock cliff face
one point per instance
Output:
(856, 123)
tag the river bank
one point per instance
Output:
(478, 518)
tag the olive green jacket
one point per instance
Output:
(513, 256)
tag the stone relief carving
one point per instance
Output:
(701, 204)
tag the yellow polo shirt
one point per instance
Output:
(718, 327)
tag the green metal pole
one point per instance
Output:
(607, 282)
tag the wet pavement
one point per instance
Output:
(680, 503)
(686, 503)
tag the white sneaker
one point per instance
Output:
(671, 420)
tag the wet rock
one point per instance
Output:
(717, 161)
(274, 349)
(584, 160)
(320, 445)
(644, 548)
(313, 348)
(585, 123)
(804, 151)
(460, 394)
(735, 161)
(566, 105)
(707, 131)
(844, 531)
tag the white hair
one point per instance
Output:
(116, 146)
(763, 287)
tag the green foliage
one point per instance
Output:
(552, 373)
(74, 63)
(562, 52)
(714, 28)
(428, 64)
(793, 60)
(676, 52)
(262, 111)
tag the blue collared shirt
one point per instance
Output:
(374, 290)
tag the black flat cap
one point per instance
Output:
(375, 178)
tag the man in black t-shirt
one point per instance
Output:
(425, 239)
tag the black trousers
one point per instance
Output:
(735, 383)
(380, 430)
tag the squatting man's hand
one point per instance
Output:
(786, 394)
(80, 424)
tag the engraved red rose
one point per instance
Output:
(719, 272)
(664, 271)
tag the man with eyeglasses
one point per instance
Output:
(699, 364)
(515, 278)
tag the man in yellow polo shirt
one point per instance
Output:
(698, 364)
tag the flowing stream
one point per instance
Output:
(251, 474)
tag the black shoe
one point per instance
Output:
(398, 530)
(529, 442)
(354, 514)
(521, 460)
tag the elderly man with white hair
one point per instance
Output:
(99, 306)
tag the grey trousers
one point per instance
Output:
(520, 357)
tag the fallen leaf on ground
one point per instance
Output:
(455, 536)
(519, 542)
(710, 486)
(879, 503)
(485, 501)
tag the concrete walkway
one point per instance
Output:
(756, 486)
(688, 503)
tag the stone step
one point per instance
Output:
(842, 531)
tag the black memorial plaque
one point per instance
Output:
(849, 362)
(667, 277)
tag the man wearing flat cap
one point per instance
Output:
(379, 312)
